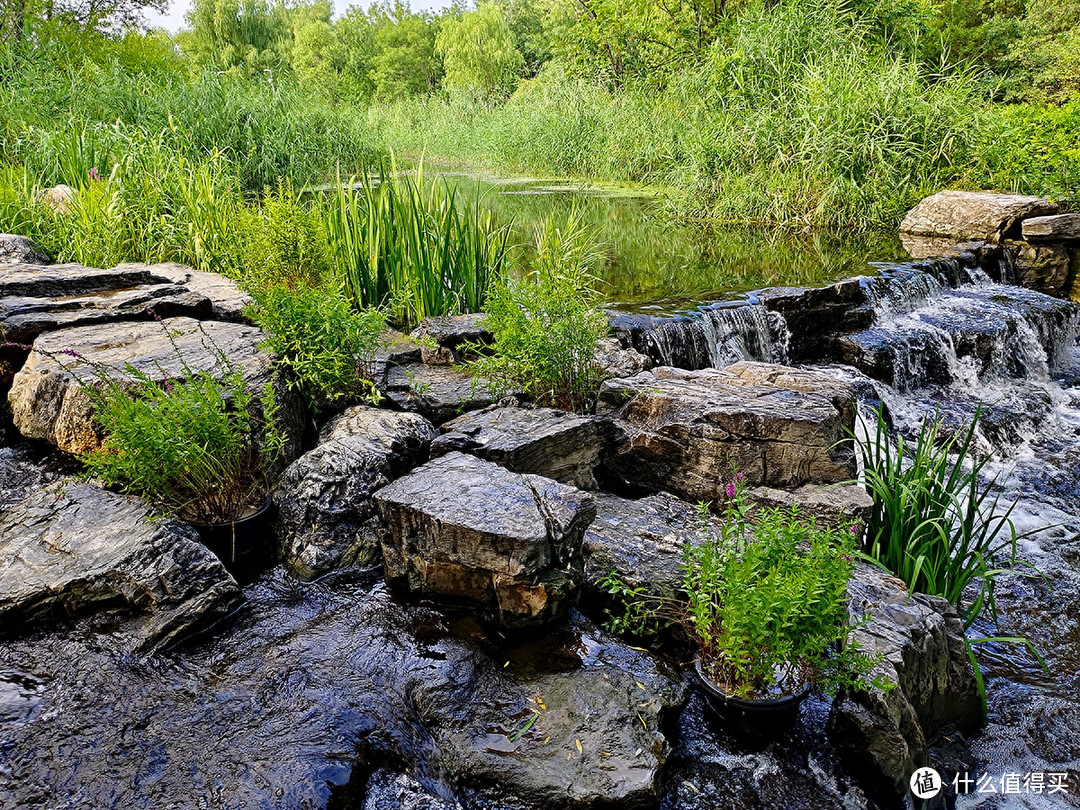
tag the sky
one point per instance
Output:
(173, 18)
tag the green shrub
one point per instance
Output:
(765, 600)
(198, 447)
(284, 241)
(326, 344)
(546, 326)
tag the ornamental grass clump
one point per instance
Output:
(765, 601)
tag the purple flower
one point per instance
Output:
(729, 490)
(71, 353)
(152, 314)
(93, 173)
(847, 558)
(855, 528)
(24, 346)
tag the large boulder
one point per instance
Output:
(437, 392)
(974, 215)
(829, 505)
(326, 513)
(48, 403)
(688, 431)
(16, 249)
(471, 532)
(445, 339)
(74, 549)
(227, 300)
(924, 655)
(548, 442)
(1058, 228)
(1042, 266)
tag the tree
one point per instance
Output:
(404, 63)
(20, 18)
(479, 52)
(247, 36)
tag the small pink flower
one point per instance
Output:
(729, 490)
(93, 173)
(855, 528)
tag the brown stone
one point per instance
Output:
(974, 215)
(1061, 227)
(1042, 267)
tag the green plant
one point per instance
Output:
(400, 241)
(546, 326)
(765, 600)
(198, 447)
(322, 340)
(935, 525)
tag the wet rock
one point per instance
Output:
(386, 790)
(227, 300)
(1063, 227)
(75, 548)
(443, 340)
(544, 441)
(16, 249)
(326, 514)
(815, 313)
(687, 431)
(974, 215)
(1043, 267)
(828, 505)
(924, 654)
(470, 532)
(616, 361)
(47, 402)
(641, 541)
(437, 392)
(902, 358)
(27, 467)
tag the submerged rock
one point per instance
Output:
(16, 249)
(921, 640)
(471, 532)
(74, 549)
(47, 401)
(327, 516)
(974, 215)
(688, 432)
(555, 444)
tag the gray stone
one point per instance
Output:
(544, 441)
(829, 505)
(1043, 267)
(227, 300)
(921, 641)
(15, 249)
(75, 549)
(437, 392)
(444, 339)
(326, 514)
(48, 403)
(386, 790)
(472, 532)
(59, 198)
(616, 361)
(687, 431)
(1061, 227)
(974, 215)
(63, 280)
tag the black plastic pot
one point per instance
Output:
(763, 719)
(243, 545)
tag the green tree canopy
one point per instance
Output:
(479, 51)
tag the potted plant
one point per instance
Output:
(198, 447)
(764, 599)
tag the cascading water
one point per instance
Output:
(714, 337)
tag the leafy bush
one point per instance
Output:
(284, 241)
(324, 342)
(546, 326)
(765, 599)
(197, 447)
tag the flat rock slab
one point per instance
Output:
(687, 432)
(444, 339)
(74, 549)
(15, 249)
(227, 300)
(1060, 227)
(921, 641)
(544, 441)
(974, 215)
(326, 514)
(471, 532)
(829, 505)
(47, 402)
(437, 392)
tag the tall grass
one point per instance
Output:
(400, 240)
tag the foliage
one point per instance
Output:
(322, 340)
(407, 243)
(246, 37)
(934, 524)
(546, 326)
(198, 447)
(285, 242)
(479, 52)
(766, 601)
